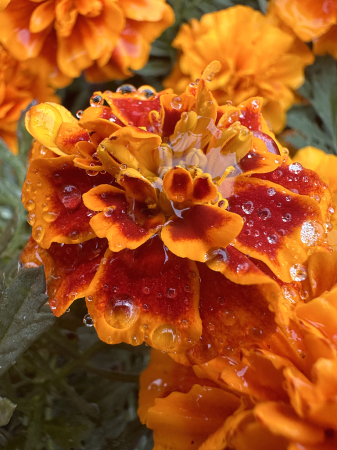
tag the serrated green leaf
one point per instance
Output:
(21, 321)
(6, 411)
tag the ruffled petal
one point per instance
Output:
(126, 223)
(178, 184)
(52, 194)
(148, 295)
(202, 229)
(69, 269)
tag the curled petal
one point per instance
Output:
(147, 294)
(69, 269)
(43, 122)
(137, 187)
(52, 193)
(204, 190)
(125, 225)
(178, 184)
(183, 421)
(202, 229)
(172, 106)
(68, 135)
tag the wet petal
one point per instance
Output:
(52, 194)
(68, 135)
(43, 122)
(178, 184)
(126, 224)
(233, 317)
(147, 294)
(277, 226)
(204, 190)
(69, 269)
(202, 229)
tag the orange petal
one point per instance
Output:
(277, 226)
(148, 295)
(282, 420)
(172, 106)
(183, 421)
(136, 186)
(69, 269)
(178, 184)
(161, 377)
(202, 229)
(204, 190)
(125, 223)
(52, 193)
(68, 135)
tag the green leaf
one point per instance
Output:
(21, 321)
(6, 411)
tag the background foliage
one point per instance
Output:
(60, 387)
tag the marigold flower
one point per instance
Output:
(72, 36)
(20, 84)
(311, 20)
(192, 218)
(283, 401)
(257, 56)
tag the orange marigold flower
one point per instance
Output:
(72, 36)
(182, 222)
(257, 56)
(20, 84)
(283, 400)
(311, 20)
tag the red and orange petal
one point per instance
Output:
(69, 269)
(308, 19)
(147, 294)
(125, 222)
(278, 223)
(203, 228)
(52, 194)
(233, 317)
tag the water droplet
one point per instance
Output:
(88, 321)
(248, 207)
(298, 272)
(271, 192)
(70, 196)
(79, 114)
(146, 290)
(109, 212)
(311, 232)
(165, 337)
(126, 89)
(229, 103)
(171, 293)
(31, 219)
(317, 198)
(30, 205)
(264, 213)
(286, 217)
(38, 234)
(49, 216)
(74, 235)
(295, 167)
(96, 100)
(331, 210)
(272, 239)
(176, 103)
(187, 288)
(304, 295)
(121, 312)
(134, 340)
(147, 92)
(90, 298)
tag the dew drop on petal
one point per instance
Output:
(298, 272)
(248, 207)
(88, 320)
(38, 234)
(30, 205)
(70, 196)
(176, 103)
(286, 217)
(121, 312)
(311, 232)
(165, 337)
(49, 216)
(109, 212)
(134, 340)
(264, 213)
(271, 192)
(79, 114)
(96, 100)
(295, 167)
(126, 89)
(171, 293)
(272, 239)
